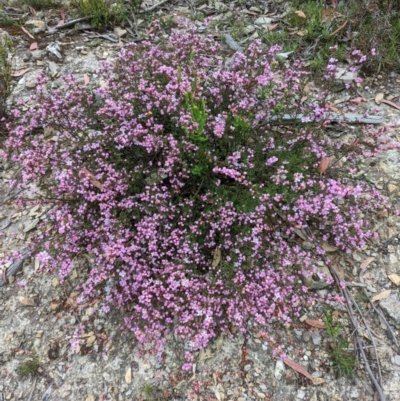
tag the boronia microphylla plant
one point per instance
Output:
(177, 182)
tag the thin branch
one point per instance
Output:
(73, 22)
(33, 390)
(378, 311)
(349, 302)
(15, 267)
(370, 336)
(153, 7)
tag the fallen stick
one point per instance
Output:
(14, 268)
(72, 22)
(153, 7)
(349, 302)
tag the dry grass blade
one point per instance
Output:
(338, 30)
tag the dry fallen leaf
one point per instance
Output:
(54, 305)
(358, 100)
(28, 302)
(395, 279)
(92, 178)
(327, 17)
(328, 248)
(316, 323)
(300, 14)
(366, 262)
(128, 375)
(388, 102)
(298, 368)
(381, 295)
(86, 335)
(318, 380)
(216, 257)
(86, 79)
(335, 317)
(20, 72)
(72, 302)
(325, 163)
(302, 33)
(378, 98)
(90, 340)
(272, 27)
(27, 32)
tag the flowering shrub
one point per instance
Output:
(179, 183)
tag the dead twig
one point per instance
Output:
(379, 312)
(370, 336)
(349, 303)
(15, 267)
(33, 390)
(73, 22)
(153, 7)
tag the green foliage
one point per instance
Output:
(105, 14)
(358, 24)
(5, 20)
(29, 367)
(6, 53)
(343, 362)
(39, 4)
(197, 109)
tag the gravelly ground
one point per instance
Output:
(37, 314)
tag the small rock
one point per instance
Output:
(119, 31)
(279, 370)
(90, 398)
(391, 305)
(53, 67)
(30, 85)
(26, 57)
(396, 359)
(249, 29)
(303, 318)
(37, 54)
(247, 368)
(319, 280)
(263, 21)
(316, 338)
(298, 333)
(260, 395)
(54, 48)
(395, 279)
(30, 225)
(128, 375)
(37, 25)
(28, 302)
(345, 76)
(307, 245)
